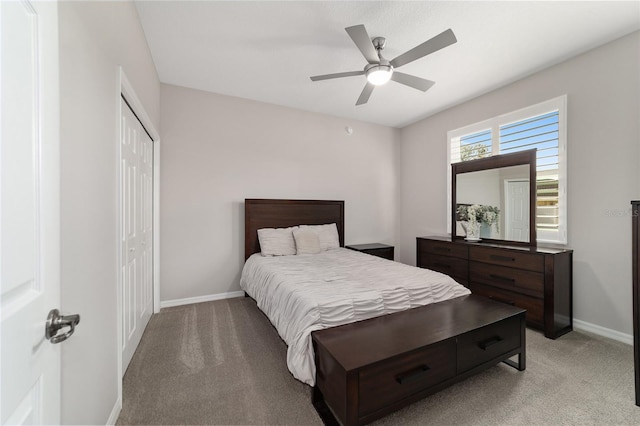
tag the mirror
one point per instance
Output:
(493, 199)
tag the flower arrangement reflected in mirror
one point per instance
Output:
(473, 216)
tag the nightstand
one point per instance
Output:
(381, 250)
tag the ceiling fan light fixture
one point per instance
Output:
(379, 74)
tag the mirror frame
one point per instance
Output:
(527, 157)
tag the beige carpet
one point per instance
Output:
(222, 363)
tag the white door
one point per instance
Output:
(517, 210)
(29, 210)
(137, 232)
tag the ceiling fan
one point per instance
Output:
(379, 70)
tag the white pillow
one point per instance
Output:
(327, 234)
(277, 241)
(307, 241)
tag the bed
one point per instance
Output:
(324, 304)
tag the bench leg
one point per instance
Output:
(521, 365)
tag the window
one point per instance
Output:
(476, 145)
(541, 126)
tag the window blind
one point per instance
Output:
(539, 132)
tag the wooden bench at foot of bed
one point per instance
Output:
(368, 369)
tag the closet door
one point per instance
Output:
(137, 232)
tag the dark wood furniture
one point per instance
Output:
(539, 280)
(635, 226)
(527, 157)
(381, 250)
(455, 338)
(371, 368)
(267, 213)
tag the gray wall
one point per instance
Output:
(95, 37)
(603, 88)
(218, 150)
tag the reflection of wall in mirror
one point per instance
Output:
(484, 188)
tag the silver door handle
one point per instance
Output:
(55, 322)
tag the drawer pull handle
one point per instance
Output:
(411, 375)
(501, 278)
(485, 344)
(505, 258)
(441, 265)
(447, 249)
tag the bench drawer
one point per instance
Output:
(486, 343)
(396, 378)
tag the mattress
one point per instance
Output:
(304, 293)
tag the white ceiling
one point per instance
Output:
(267, 50)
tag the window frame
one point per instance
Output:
(493, 124)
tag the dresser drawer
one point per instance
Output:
(486, 343)
(519, 280)
(444, 248)
(396, 378)
(509, 258)
(534, 306)
(452, 266)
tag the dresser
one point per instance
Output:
(635, 238)
(537, 279)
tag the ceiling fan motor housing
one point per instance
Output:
(381, 72)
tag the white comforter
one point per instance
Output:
(304, 293)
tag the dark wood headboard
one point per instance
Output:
(265, 213)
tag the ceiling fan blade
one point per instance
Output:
(442, 40)
(336, 75)
(360, 37)
(366, 92)
(412, 81)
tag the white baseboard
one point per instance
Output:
(113, 417)
(200, 299)
(602, 331)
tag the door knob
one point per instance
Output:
(55, 322)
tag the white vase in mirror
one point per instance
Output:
(472, 230)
